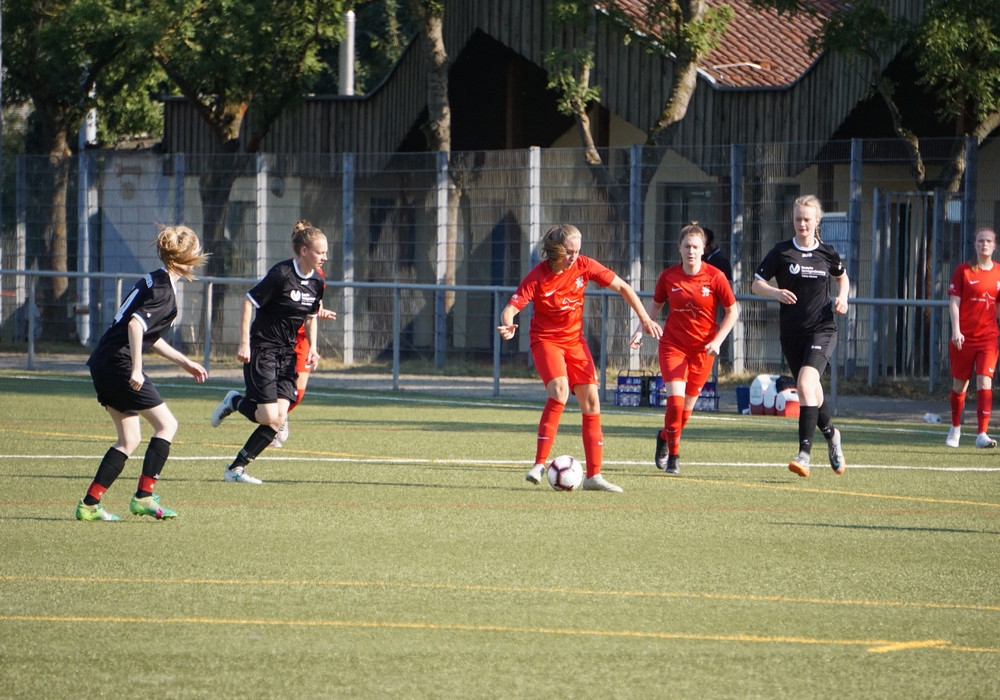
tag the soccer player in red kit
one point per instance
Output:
(559, 350)
(974, 336)
(691, 336)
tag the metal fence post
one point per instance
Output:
(207, 355)
(634, 237)
(736, 249)
(396, 336)
(604, 347)
(31, 322)
(347, 246)
(180, 167)
(441, 270)
(874, 339)
(497, 340)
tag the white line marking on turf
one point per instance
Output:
(511, 462)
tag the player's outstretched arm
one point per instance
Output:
(168, 352)
(649, 326)
(507, 325)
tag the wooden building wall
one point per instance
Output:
(634, 85)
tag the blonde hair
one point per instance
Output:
(303, 235)
(974, 263)
(553, 243)
(178, 246)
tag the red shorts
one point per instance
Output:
(974, 358)
(680, 365)
(301, 353)
(572, 361)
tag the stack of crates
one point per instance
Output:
(632, 387)
(708, 400)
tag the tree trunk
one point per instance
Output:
(58, 322)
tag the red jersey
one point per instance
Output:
(558, 298)
(693, 304)
(977, 307)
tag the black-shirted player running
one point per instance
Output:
(124, 389)
(802, 268)
(288, 296)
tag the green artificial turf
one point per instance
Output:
(395, 550)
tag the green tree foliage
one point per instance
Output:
(684, 30)
(60, 54)
(955, 47)
(57, 55)
(240, 63)
(226, 55)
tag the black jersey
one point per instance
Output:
(284, 298)
(153, 302)
(806, 273)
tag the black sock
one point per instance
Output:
(246, 408)
(111, 466)
(255, 444)
(807, 427)
(152, 464)
(823, 421)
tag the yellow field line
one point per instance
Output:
(839, 492)
(503, 589)
(873, 645)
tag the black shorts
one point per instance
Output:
(113, 390)
(814, 350)
(270, 375)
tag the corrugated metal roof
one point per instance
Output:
(760, 49)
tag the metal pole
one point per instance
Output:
(396, 337)
(208, 326)
(497, 340)
(31, 322)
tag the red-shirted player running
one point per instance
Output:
(559, 350)
(691, 336)
(974, 336)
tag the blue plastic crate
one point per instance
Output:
(631, 387)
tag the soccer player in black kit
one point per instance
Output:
(802, 268)
(288, 296)
(124, 389)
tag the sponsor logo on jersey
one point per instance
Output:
(296, 295)
(794, 268)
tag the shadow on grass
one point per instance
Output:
(893, 528)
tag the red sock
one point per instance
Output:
(957, 406)
(96, 491)
(685, 416)
(593, 443)
(673, 424)
(984, 406)
(548, 426)
(299, 393)
(146, 484)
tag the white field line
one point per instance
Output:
(270, 456)
(570, 408)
